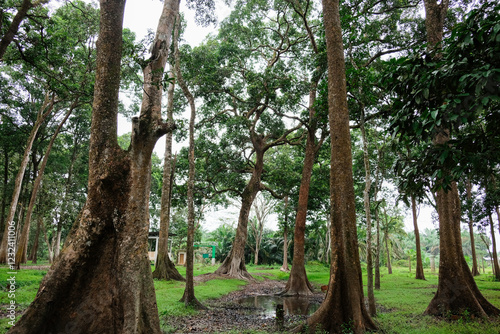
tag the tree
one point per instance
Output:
(262, 208)
(188, 297)
(443, 104)
(108, 244)
(344, 302)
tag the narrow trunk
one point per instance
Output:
(165, 268)
(102, 282)
(433, 263)
(475, 270)
(419, 271)
(496, 268)
(188, 298)
(344, 306)
(10, 225)
(377, 252)
(34, 249)
(23, 244)
(389, 266)
(285, 267)
(5, 181)
(366, 199)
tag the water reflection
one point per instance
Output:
(266, 305)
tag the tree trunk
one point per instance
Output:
(285, 267)
(343, 307)
(234, 263)
(102, 282)
(34, 249)
(475, 270)
(457, 291)
(377, 252)
(389, 266)
(496, 268)
(23, 243)
(366, 199)
(188, 298)
(9, 235)
(298, 284)
(433, 263)
(419, 270)
(165, 268)
(5, 182)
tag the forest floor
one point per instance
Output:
(227, 314)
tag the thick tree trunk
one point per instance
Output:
(188, 298)
(457, 291)
(419, 271)
(102, 281)
(366, 199)
(165, 268)
(285, 267)
(475, 270)
(344, 305)
(9, 234)
(23, 243)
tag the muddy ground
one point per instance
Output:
(226, 315)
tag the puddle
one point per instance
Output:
(266, 305)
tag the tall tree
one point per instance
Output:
(344, 302)
(108, 244)
(188, 297)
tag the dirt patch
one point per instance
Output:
(226, 315)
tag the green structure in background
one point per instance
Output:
(205, 256)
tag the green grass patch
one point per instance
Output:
(401, 300)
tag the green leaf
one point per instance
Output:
(434, 113)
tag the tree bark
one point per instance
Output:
(5, 181)
(457, 291)
(298, 284)
(475, 270)
(234, 263)
(9, 235)
(366, 199)
(344, 305)
(23, 243)
(419, 270)
(188, 298)
(102, 282)
(285, 267)
(33, 257)
(496, 268)
(386, 240)
(165, 268)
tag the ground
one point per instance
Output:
(227, 315)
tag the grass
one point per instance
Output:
(401, 300)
